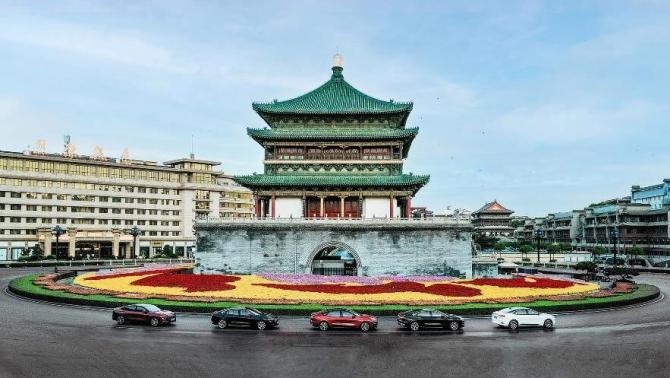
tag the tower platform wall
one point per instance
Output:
(381, 247)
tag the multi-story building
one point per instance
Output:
(564, 227)
(98, 199)
(493, 219)
(656, 196)
(529, 227)
(636, 224)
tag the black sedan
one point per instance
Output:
(245, 317)
(417, 319)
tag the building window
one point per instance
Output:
(15, 207)
(15, 195)
(15, 220)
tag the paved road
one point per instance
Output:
(40, 339)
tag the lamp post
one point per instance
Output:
(614, 235)
(135, 232)
(539, 233)
(57, 231)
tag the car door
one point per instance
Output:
(425, 318)
(245, 317)
(348, 319)
(521, 316)
(438, 318)
(142, 314)
(234, 316)
(534, 317)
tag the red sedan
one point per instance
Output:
(342, 318)
(144, 313)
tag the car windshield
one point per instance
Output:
(150, 308)
(254, 311)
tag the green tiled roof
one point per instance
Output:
(325, 133)
(336, 96)
(262, 180)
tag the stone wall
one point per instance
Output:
(403, 248)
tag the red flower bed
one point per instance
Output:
(444, 289)
(520, 282)
(189, 282)
(138, 273)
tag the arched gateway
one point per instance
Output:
(334, 259)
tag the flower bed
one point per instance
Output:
(327, 290)
(26, 286)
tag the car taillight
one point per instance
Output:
(402, 318)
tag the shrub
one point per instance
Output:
(588, 266)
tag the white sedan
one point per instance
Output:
(515, 317)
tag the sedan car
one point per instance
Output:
(244, 316)
(342, 318)
(143, 313)
(515, 317)
(417, 319)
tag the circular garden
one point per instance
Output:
(175, 287)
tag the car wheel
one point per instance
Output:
(222, 324)
(454, 326)
(154, 322)
(323, 326)
(261, 325)
(513, 325)
(414, 326)
(365, 326)
(548, 324)
(121, 320)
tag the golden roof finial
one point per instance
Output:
(337, 60)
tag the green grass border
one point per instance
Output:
(24, 286)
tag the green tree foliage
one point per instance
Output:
(525, 249)
(589, 266)
(636, 251)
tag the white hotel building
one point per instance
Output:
(97, 200)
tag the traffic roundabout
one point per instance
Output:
(76, 338)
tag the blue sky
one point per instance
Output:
(545, 106)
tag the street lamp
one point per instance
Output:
(135, 232)
(539, 234)
(614, 235)
(57, 232)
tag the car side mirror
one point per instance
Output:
(353, 316)
(145, 311)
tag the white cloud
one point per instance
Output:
(112, 47)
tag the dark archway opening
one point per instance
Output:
(335, 260)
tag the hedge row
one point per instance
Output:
(24, 286)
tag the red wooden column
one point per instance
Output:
(272, 206)
(257, 201)
(408, 207)
(391, 207)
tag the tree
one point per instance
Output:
(525, 249)
(552, 249)
(599, 250)
(499, 246)
(167, 251)
(636, 251)
(37, 252)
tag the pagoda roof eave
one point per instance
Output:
(332, 134)
(261, 181)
